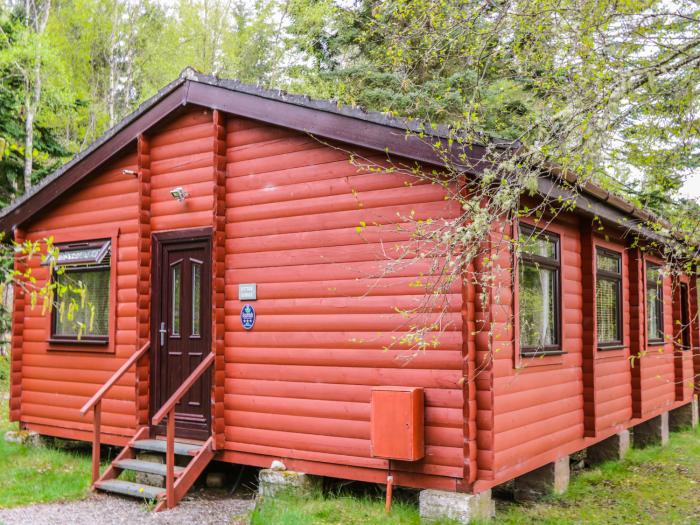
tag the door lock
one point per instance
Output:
(162, 331)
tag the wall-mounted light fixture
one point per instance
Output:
(179, 194)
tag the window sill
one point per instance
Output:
(606, 348)
(543, 353)
(539, 359)
(61, 345)
(656, 343)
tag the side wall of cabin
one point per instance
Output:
(548, 406)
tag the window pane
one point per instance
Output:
(606, 311)
(196, 298)
(537, 291)
(175, 300)
(534, 244)
(653, 274)
(91, 318)
(654, 300)
(654, 314)
(608, 263)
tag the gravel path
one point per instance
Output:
(102, 509)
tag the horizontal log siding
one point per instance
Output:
(538, 404)
(657, 364)
(56, 382)
(613, 380)
(181, 154)
(298, 385)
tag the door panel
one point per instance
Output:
(181, 329)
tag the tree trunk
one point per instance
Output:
(37, 22)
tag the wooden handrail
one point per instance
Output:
(168, 409)
(182, 390)
(95, 403)
(115, 377)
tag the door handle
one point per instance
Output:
(162, 331)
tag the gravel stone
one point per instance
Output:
(201, 508)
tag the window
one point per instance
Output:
(655, 304)
(608, 297)
(82, 267)
(539, 293)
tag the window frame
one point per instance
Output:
(553, 264)
(85, 265)
(607, 275)
(659, 301)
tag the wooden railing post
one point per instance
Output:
(170, 460)
(95, 403)
(96, 422)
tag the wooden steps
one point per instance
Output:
(147, 467)
(184, 477)
(158, 445)
(127, 488)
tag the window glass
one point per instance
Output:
(537, 306)
(608, 296)
(196, 298)
(75, 317)
(538, 292)
(82, 273)
(607, 308)
(176, 275)
(654, 303)
(541, 245)
(608, 262)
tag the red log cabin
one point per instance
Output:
(237, 317)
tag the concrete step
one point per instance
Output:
(158, 445)
(127, 488)
(149, 467)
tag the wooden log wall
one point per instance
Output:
(17, 346)
(219, 271)
(298, 385)
(58, 378)
(144, 276)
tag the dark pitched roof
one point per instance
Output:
(324, 119)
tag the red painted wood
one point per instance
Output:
(285, 210)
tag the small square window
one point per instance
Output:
(83, 268)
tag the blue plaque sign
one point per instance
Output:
(247, 316)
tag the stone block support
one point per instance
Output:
(612, 449)
(553, 478)
(436, 505)
(652, 432)
(273, 482)
(144, 478)
(684, 417)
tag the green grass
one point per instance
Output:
(37, 474)
(4, 374)
(341, 508)
(650, 487)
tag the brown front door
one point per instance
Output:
(181, 327)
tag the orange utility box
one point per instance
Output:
(397, 423)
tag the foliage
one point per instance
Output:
(15, 44)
